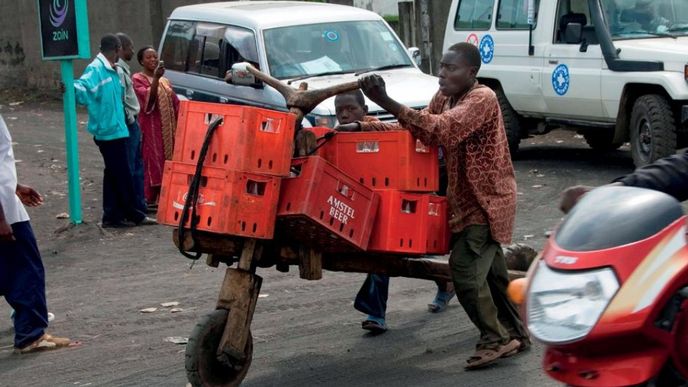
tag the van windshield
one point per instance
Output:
(632, 19)
(345, 47)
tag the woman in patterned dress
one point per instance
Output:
(158, 119)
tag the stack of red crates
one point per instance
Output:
(322, 206)
(249, 154)
(405, 174)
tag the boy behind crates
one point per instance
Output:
(350, 107)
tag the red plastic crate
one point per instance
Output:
(410, 223)
(230, 202)
(325, 208)
(385, 160)
(438, 233)
(249, 140)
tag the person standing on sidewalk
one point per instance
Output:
(22, 277)
(101, 91)
(465, 120)
(131, 114)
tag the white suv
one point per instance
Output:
(322, 44)
(615, 70)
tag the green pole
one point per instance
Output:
(72, 145)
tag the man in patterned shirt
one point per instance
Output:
(465, 119)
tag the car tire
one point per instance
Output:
(512, 125)
(652, 129)
(602, 140)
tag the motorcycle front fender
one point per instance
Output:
(620, 368)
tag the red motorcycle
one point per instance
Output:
(609, 297)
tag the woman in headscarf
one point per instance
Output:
(158, 119)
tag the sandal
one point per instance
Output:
(439, 304)
(525, 345)
(485, 357)
(376, 326)
(45, 342)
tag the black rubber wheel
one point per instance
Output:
(202, 366)
(602, 140)
(653, 129)
(512, 125)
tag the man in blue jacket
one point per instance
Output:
(101, 91)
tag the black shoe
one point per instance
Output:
(114, 225)
(147, 222)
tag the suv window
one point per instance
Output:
(574, 11)
(474, 15)
(208, 49)
(175, 50)
(513, 14)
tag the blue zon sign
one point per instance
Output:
(64, 29)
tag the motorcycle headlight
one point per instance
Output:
(564, 306)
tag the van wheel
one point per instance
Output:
(511, 122)
(602, 140)
(653, 129)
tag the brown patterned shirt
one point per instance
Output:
(482, 186)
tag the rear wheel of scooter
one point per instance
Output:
(202, 365)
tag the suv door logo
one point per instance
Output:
(561, 79)
(487, 49)
(473, 39)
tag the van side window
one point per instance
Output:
(513, 14)
(208, 37)
(574, 11)
(474, 15)
(175, 50)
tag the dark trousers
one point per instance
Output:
(480, 278)
(22, 283)
(372, 298)
(136, 164)
(118, 189)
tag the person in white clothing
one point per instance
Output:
(22, 277)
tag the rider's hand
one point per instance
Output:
(571, 196)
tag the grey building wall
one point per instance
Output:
(20, 53)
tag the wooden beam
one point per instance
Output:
(239, 294)
(393, 265)
(310, 264)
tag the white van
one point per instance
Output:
(322, 44)
(615, 70)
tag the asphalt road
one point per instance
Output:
(305, 333)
